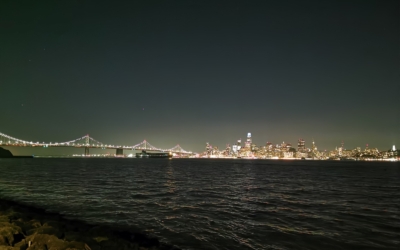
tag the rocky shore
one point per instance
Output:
(29, 228)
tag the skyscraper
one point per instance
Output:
(301, 145)
(234, 148)
(248, 141)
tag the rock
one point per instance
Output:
(10, 234)
(46, 230)
(23, 225)
(26, 225)
(22, 245)
(13, 216)
(55, 224)
(51, 242)
(3, 241)
(8, 248)
(35, 223)
(29, 228)
(74, 245)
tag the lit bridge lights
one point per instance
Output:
(86, 142)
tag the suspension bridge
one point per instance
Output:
(86, 142)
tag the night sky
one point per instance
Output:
(192, 72)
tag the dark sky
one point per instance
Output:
(192, 72)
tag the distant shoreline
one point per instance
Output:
(200, 158)
(22, 226)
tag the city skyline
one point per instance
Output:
(42, 147)
(195, 72)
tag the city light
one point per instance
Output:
(250, 150)
(286, 151)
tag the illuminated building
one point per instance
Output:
(239, 144)
(314, 152)
(215, 151)
(248, 141)
(208, 149)
(228, 150)
(234, 148)
(284, 147)
(394, 152)
(287, 154)
(301, 149)
(301, 146)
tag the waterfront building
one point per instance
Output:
(301, 147)
(301, 154)
(248, 141)
(234, 148)
(348, 153)
(339, 151)
(393, 153)
(208, 149)
(215, 151)
(227, 150)
(254, 148)
(314, 148)
(283, 147)
(285, 150)
(287, 154)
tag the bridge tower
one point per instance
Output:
(86, 151)
(87, 144)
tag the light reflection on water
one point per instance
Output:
(221, 204)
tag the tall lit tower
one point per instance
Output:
(239, 144)
(208, 149)
(248, 141)
(301, 145)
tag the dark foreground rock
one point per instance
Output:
(4, 153)
(28, 228)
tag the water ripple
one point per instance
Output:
(232, 204)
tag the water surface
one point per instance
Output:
(221, 204)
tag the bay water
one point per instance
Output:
(220, 204)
